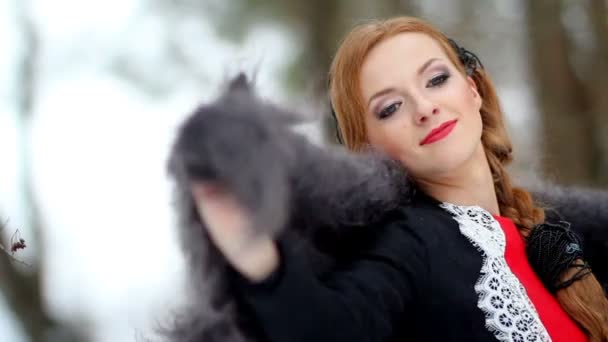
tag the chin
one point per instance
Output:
(443, 161)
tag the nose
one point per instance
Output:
(424, 110)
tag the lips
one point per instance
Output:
(439, 133)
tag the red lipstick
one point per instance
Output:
(439, 133)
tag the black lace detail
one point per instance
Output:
(552, 249)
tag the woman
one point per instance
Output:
(449, 265)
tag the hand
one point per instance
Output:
(255, 256)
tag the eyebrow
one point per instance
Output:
(392, 89)
(426, 65)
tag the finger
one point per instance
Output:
(206, 189)
(221, 211)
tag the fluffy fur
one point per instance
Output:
(324, 196)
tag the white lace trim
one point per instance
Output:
(510, 315)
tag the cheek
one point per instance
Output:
(473, 106)
(468, 107)
(460, 94)
(393, 138)
(472, 99)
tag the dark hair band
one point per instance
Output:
(552, 250)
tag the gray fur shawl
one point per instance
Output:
(320, 195)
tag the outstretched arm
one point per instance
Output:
(283, 184)
(368, 299)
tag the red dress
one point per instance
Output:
(559, 325)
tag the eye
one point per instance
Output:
(438, 80)
(389, 110)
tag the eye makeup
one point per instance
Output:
(438, 80)
(384, 112)
(384, 109)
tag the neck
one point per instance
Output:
(471, 184)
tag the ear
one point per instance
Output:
(474, 91)
(240, 83)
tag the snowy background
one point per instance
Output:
(112, 81)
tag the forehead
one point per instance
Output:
(401, 54)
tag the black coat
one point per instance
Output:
(330, 209)
(413, 279)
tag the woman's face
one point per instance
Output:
(418, 107)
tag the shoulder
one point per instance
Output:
(420, 226)
(396, 228)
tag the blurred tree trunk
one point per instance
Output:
(597, 86)
(569, 151)
(401, 7)
(321, 18)
(21, 287)
(468, 23)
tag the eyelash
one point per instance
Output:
(436, 81)
(389, 110)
